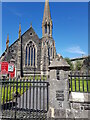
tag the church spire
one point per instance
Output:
(47, 22)
(7, 42)
(46, 11)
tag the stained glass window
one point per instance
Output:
(34, 56)
(26, 57)
(31, 56)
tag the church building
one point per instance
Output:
(31, 54)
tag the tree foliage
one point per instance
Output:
(78, 65)
(70, 63)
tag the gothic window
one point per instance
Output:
(49, 55)
(49, 29)
(45, 28)
(31, 56)
(26, 57)
(48, 51)
(34, 56)
(51, 51)
(30, 59)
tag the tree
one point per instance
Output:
(70, 63)
(78, 65)
(86, 65)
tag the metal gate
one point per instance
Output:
(24, 98)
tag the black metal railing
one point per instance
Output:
(79, 82)
(24, 98)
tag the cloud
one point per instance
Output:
(75, 49)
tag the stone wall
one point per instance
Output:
(63, 104)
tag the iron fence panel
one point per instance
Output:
(24, 98)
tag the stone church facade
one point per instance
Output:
(31, 54)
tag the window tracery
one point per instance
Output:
(30, 59)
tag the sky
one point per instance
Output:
(70, 24)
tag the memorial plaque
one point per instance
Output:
(59, 95)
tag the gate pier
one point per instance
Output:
(58, 91)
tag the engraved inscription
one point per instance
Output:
(60, 104)
(59, 95)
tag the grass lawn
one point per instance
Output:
(81, 83)
(8, 90)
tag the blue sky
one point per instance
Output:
(70, 24)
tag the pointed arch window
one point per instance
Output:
(26, 57)
(49, 29)
(49, 55)
(51, 51)
(46, 28)
(34, 56)
(48, 51)
(31, 56)
(30, 59)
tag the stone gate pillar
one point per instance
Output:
(59, 90)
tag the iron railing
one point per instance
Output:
(24, 98)
(79, 82)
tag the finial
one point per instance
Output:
(7, 42)
(31, 24)
(19, 31)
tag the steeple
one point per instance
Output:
(46, 11)
(7, 42)
(47, 22)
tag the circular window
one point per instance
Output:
(30, 34)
